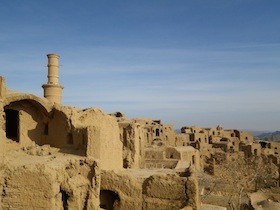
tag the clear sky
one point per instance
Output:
(186, 62)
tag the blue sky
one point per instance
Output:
(187, 62)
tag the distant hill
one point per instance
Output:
(271, 136)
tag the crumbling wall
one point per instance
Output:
(167, 192)
(182, 139)
(106, 137)
(91, 131)
(29, 187)
(2, 130)
(127, 188)
(131, 137)
(168, 134)
(55, 184)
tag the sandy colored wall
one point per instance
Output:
(169, 192)
(30, 124)
(59, 129)
(246, 136)
(182, 139)
(131, 135)
(107, 144)
(128, 189)
(71, 184)
(168, 134)
(2, 131)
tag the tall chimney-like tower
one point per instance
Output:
(53, 90)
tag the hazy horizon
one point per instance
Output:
(188, 63)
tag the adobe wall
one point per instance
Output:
(104, 139)
(181, 139)
(2, 132)
(30, 122)
(127, 187)
(170, 192)
(246, 136)
(151, 190)
(131, 135)
(169, 135)
(57, 183)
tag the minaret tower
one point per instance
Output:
(53, 90)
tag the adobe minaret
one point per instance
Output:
(53, 90)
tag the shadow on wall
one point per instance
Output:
(109, 200)
(24, 121)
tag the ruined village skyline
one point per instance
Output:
(186, 63)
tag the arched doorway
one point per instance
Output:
(25, 121)
(109, 200)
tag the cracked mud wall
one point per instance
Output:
(167, 192)
(2, 131)
(131, 135)
(126, 187)
(72, 184)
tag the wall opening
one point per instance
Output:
(12, 124)
(157, 132)
(64, 198)
(193, 160)
(109, 200)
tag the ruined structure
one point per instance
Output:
(60, 157)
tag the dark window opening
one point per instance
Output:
(193, 160)
(64, 198)
(70, 138)
(12, 124)
(119, 114)
(157, 132)
(213, 132)
(255, 151)
(246, 138)
(109, 200)
(171, 156)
